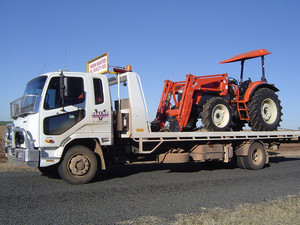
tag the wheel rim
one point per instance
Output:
(257, 156)
(269, 111)
(79, 165)
(220, 115)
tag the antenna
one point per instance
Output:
(43, 67)
(66, 51)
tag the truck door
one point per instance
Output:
(63, 111)
(101, 111)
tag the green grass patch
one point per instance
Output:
(3, 123)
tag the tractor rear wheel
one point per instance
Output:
(264, 110)
(216, 115)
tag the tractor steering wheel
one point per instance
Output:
(232, 80)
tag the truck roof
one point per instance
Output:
(70, 73)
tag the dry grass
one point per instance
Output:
(281, 211)
(5, 167)
(2, 133)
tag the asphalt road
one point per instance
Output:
(134, 191)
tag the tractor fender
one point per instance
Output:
(253, 87)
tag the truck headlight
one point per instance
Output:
(8, 133)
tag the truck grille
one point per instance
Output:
(19, 139)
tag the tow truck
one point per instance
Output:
(68, 123)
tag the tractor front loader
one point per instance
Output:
(222, 102)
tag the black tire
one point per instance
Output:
(256, 158)
(79, 165)
(191, 124)
(155, 126)
(240, 162)
(237, 126)
(174, 127)
(49, 171)
(264, 110)
(216, 115)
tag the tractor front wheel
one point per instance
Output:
(216, 115)
(264, 110)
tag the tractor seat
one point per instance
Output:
(244, 86)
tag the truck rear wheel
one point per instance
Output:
(216, 114)
(240, 162)
(256, 158)
(78, 166)
(264, 110)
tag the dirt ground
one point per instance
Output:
(2, 131)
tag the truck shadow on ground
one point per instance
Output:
(128, 170)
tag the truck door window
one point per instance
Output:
(98, 91)
(58, 124)
(73, 94)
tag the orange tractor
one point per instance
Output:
(222, 102)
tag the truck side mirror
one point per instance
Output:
(62, 89)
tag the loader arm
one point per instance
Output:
(164, 104)
(192, 90)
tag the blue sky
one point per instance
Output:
(160, 39)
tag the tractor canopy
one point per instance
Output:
(247, 55)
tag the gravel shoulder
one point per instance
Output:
(5, 166)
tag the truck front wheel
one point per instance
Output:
(79, 165)
(49, 171)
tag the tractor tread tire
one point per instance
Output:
(207, 120)
(257, 123)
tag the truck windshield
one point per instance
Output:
(35, 87)
(30, 101)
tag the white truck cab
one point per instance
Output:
(60, 109)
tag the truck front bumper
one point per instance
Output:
(23, 157)
(19, 147)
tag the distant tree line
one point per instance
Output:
(2, 123)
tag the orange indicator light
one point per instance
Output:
(50, 141)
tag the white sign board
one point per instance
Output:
(98, 65)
